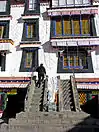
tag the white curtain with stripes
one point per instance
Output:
(3, 5)
(32, 4)
(62, 2)
(68, 3)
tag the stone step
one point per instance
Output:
(43, 128)
(34, 108)
(54, 122)
(38, 92)
(36, 99)
(38, 89)
(57, 115)
(35, 103)
(37, 95)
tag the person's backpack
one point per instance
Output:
(42, 70)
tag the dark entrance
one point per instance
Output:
(92, 106)
(15, 104)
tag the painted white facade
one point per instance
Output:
(47, 54)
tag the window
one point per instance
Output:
(70, 3)
(58, 27)
(3, 6)
(28, 60)
(31, 30)
(67, 26)
(71, 26)
(3, 29)
(85, 25)
(32, 7)
(32, 4)
(76, 25)
(73, 60)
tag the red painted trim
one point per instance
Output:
(14, 78)
(87, 79)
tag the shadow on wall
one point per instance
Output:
(48, 48)
(45, 16)
(97, 51)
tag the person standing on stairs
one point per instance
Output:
(41, 74)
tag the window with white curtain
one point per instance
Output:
(32, 4)
(70, 3)
(86, 2)
(78, 2)
(3, 6)
(62, 2)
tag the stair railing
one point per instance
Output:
(30, 92)
(75, 93)
(45, 96)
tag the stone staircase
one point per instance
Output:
(53, 121)
(37, 100)
(34, 119)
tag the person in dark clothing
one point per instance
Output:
(41, 73)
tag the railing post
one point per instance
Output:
(60, 99)
(45, 100)
(30, 92)
(75, 93)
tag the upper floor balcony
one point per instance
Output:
(73, 26)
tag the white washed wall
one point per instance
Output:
(46, 56)
(49, 57)
(44, 24)
(16, 28)
(13, 59)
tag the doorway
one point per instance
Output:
(15, 103)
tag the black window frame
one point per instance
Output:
(80, 55)
(7, 12)
(7, 28)
(34, 51)
(91, 26)
(36, 38)
(88, 69)
(30, 12)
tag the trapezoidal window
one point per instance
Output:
(31, 30)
